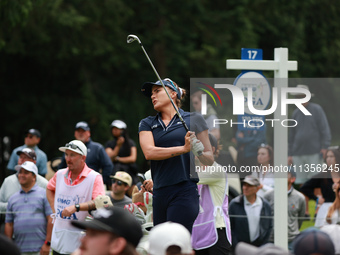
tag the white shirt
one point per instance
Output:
(253, 212)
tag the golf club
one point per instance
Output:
(132, 38)
(141, 177)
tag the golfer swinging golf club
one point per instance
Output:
(165, 141)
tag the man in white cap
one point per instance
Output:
(32, 224)
(170, 238)
(11, 183)
(121, 182)
(71, 193)
(32, 139)
(96, 158)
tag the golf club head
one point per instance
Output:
(141, 177)
(132, 38)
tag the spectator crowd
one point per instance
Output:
(99, 202)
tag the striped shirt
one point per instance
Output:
(28, 212)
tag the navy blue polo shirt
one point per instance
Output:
(180, 168)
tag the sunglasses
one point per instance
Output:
(73, 146)
(29, 136)
(118, 182)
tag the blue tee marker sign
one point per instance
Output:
(260, 88)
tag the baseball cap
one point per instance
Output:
(76, 146)
(29, 166)
(115, 220)
(122, 176)
(118, 124)
(147, 86)
(251, 180)
(83, 125)
(34, 131)
(313, 241)
(28, 152)
(267, 249)
(167, 234)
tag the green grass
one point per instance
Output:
(310, 223)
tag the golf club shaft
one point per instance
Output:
(159, 78)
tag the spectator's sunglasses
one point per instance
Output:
(73, 146)
(119, 182)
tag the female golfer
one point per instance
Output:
(166, 143)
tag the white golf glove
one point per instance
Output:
(197, 147)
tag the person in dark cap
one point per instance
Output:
(96, 156)
(313, 241)
(32, 139)
(171, 148)
(112, 231)
(256, 227)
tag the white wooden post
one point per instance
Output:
(280, 65)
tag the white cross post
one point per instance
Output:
(280, 65)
